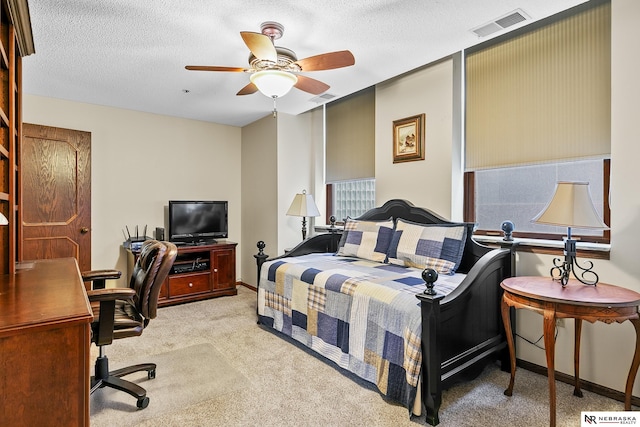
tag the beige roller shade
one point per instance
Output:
(542, 96)
(350, 147)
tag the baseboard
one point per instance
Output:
(584, 385)
(246, 285)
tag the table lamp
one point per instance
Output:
(304, 206)
(571, 206)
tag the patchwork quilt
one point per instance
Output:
(360, 314)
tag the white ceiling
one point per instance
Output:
(132, 53)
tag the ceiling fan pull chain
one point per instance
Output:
(275, 112)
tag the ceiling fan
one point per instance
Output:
(275, 70)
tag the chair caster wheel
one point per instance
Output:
(143, 403)
(151, 374)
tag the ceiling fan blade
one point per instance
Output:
(248, 89)
(260, 45)
(313, 86)
(214, 68)
(327, 61)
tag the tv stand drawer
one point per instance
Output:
(189, 284)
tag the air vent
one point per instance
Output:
(501, 23)
(322, 98)
(512, 19)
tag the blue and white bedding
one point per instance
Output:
(360, 314)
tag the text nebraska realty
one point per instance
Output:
(611, 419)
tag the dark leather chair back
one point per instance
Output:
(150, 271)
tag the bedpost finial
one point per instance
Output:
(429, 275)
(261, 245)
(332, 221)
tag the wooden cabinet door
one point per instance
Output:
(55, 211)
(224, 268)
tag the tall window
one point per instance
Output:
(350, 160)
(538, 110)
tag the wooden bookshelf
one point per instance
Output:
(16, 41)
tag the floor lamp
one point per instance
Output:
(571, 206)
(304, 206)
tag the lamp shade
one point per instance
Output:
(273, 83)
(303, 205)
(571, 206)
(3, 219)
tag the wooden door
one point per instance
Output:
(55, 210)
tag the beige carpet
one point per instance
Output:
(259, 379)
(191, 375)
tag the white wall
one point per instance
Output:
(425, 183)
(140, 161)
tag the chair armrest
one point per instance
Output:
(98, 278)
(103, 333)
(111, 294)
(91, 275)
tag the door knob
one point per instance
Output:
(84, 230)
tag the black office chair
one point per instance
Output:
(125, 312)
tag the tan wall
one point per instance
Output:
(295, 150)
(140, 161)
(259, 192)
(425, 183)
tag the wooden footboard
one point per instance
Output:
(461, 332)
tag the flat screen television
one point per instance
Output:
(199, 221)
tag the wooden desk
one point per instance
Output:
(45, 320)
(604, 303)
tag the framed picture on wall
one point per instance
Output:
(408, 139)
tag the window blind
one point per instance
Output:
(542, 96)
(350, 137)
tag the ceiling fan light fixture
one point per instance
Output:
(273, 83)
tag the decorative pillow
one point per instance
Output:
(437, 246)
(366, 239)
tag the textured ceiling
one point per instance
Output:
(132, 53)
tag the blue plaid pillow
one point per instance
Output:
(437, 246)
(366, 239)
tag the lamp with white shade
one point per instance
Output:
(3, 219)
(571, 207)
(304, 206)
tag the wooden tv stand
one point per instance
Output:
(199, 272)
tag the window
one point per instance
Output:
(350, 198)
(350, 155)
(538, 111)
(519, 193)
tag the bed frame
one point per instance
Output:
(462, 332)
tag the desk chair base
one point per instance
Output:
(104, 378)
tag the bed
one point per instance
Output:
(358, 298)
